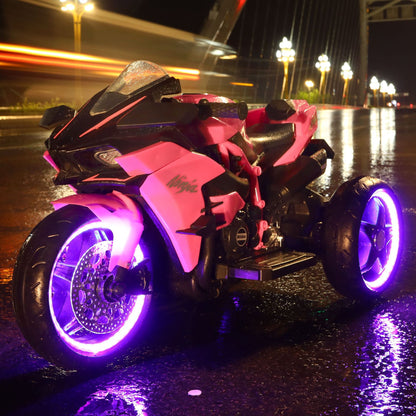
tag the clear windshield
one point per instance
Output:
(135, 78)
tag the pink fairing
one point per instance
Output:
(151, 158)
(173, 191)
(305, 126)
(120, 214)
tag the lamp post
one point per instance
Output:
(309, 84)
(391, 90)
(374, 85)
(383, 90)
(324, 66)
(347, 74)
(77, 8)
(285, 54)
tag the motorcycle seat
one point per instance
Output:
(270, 141)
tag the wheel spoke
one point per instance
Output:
(64, 271)
(368, 229)
(72, 327)
(383, 257)
(364, 246)
(372, 258)
(371, 212)
(381, 218)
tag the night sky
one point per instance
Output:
(317, 25)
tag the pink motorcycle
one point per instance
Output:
(185, 194)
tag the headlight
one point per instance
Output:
(107, 156)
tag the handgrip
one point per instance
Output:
(222, 110)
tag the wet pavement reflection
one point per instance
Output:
(288, 347)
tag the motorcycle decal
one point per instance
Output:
(181, 183)
(178, 210)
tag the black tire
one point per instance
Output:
(361, 241)
(46, 292)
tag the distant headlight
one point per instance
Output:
(107, 156)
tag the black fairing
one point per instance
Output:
(74, 146)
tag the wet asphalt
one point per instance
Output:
(288, 347)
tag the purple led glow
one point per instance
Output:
(379, 239)
(64, 319)
(382, 364)
(119, 397)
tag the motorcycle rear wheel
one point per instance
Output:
(362, 238)
(58, 291)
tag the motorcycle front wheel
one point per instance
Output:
(361, 238)
(59, 286)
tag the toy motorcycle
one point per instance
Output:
(185, 194)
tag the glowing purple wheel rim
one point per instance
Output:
(85, 321)
(379, 240)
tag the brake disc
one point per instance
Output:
(91, 309)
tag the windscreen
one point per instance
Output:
(135, 78)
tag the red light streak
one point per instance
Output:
(29, 58)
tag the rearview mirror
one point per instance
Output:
(54, 116)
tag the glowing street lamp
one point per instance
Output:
(309, 84)
(374, 85)
(347, 74)
(391, 90)
(77, 8)
(324, 66)
(285, 54)
(383, 89)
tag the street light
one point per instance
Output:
(309, 84)
(347, 74)
(77, 8)
(324, 66)
(374, 85)
(285, 54)
(391, 90)
(383, 90)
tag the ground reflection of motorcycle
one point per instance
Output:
(186, 194)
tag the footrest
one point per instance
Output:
(267, 267)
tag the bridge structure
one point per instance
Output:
(376, 12)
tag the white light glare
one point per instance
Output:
(374, 84)
(323, 63)
(346, 72)
(285, 53)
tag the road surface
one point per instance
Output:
(289, 347)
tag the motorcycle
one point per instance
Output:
(185, 194)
